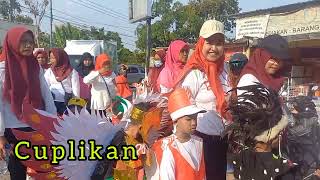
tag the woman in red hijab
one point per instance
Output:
(154, 71)
(62, 79)
(103, 88)
(268, 64)
(206, 77)
(42, 57)
(21, 81)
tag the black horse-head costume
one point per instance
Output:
(303, 138)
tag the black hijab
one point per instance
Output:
(82, 69)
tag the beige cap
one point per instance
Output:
(210, 28)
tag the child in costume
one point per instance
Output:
(180, 156)
(136, 132)
(257, 128)
(133, 169)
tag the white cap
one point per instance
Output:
(210, 28)
(185, 111)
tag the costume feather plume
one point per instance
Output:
(50, 130)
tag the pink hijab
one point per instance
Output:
(173, 66)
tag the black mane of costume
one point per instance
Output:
(105, 167)
(255, 112)
(303, 139)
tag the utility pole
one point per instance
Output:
(51, 20)
(11, 11)
(149, 44)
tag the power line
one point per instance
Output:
(89, 26)
(98, 10)
(76, 23)
(84, 25)
(80, 26)
(88, 21)
(104, 7)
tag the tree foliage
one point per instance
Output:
(69, 32)
(44, 40)
(16, 12)
(125, 55)
(5, 9)
(173, 20)
(24, 19)
(37, 8)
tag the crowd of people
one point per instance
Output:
(200, 117)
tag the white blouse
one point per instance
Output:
(164, 90)
(246, 80)
(100, 99)
(210, 123)
(71, 84)
(9, 119)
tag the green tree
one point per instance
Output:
(175, 21)
(44, 40)
(5, 8)
(114, 36)
(66, 32)
(69, 32)
(101, 34)
(16, 12)
(97, 34)
(37, 8)
(24, 19)
(217, 9)
(125, 56)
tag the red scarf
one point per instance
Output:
(256, 67)
(213, 71)
(21, 84)
(45, 54)
(62, 67)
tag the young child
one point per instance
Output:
(180, 156)
(129, 135)
(257, 128)
(123, 89)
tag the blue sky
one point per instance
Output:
(114, 14)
